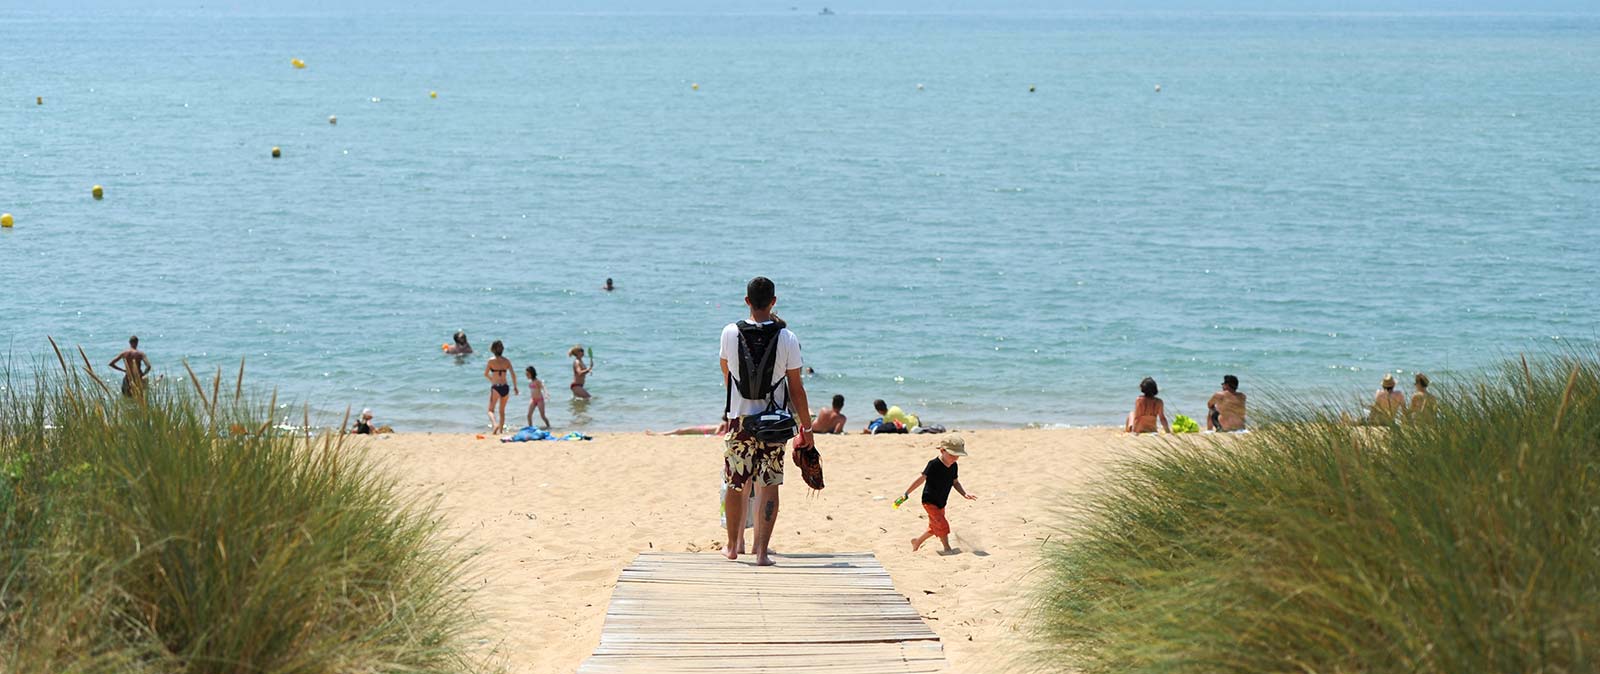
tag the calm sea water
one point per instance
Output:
(1308, 202)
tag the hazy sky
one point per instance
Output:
(842, 6)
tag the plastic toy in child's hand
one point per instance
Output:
(899, 501)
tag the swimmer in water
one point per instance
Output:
(580, 373)
(496, 371)
(830, 420)
(458, 345)
(536, 395)
(609, 286)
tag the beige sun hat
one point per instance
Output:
(1388, 380)
(954, 444)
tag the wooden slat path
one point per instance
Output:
(831, 614)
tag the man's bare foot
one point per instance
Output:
(730, 553)
(916, 544)
(739, 549)
(764, 560)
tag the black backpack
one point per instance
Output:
(758, 355)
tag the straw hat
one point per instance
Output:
(1388, 381)
(954, 444)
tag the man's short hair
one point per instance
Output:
(761, 292)
(838, 401)
(881, 406)
(1231, 382)
(133, 341)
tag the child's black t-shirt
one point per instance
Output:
(936, 491)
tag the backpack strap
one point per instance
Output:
(727, 406)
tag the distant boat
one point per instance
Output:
(825, 12)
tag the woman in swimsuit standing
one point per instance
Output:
(579, 372)
(496, 371)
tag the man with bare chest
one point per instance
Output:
(133, 365)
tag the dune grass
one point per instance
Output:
(1465, 543)
(186, 535)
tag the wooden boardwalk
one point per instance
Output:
(828, 613)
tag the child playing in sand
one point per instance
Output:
(536, 397)
(580, 373)
(940, 475)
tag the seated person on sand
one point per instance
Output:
(1147, 409)
(1422, 402)
(830, 420)
(893, 416)
(364, 425)
(458, 345)
(1226, 407)
(1388, 405)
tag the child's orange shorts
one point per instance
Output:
(936, 521)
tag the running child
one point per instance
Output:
(940, 475)
(536, 397)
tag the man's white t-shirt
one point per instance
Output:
(788, 359)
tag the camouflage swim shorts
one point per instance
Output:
(748, 458)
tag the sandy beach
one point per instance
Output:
(553, 523)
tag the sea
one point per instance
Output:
(994, 219)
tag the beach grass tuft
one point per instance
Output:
(1461, 542)
(188, 534)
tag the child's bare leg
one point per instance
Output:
(541, 416)
(916, 543)
(946, 541)
(733, 507)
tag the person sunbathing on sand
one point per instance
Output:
(893, 416)
(1146, 410)
(706, 429)
(1389, 403)
(830, 420)
(1422, 403)
(1226, 407)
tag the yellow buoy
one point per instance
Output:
(297, 63)
(695, 86)
(333, 119)
(276, 152)
(433, 94)
(38, 100)
(6, 221)
(98, 192)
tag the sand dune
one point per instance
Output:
(553, 523)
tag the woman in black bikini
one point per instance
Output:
(496, 371)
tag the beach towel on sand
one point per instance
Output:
(532, 433)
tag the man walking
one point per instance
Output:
(761, 362)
